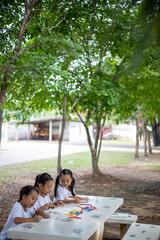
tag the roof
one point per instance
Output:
(43, 120)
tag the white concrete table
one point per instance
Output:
(60, 227)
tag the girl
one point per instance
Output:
(44, 183)
(19, 213)
(64, 188)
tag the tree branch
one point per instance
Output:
(31, 47)
(87, 131)
(79, 116)
(115, 78)
(42, 42)
(99, 150)
(97, 135)
(73, 107)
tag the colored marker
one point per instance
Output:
(75, 217)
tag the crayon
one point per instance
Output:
(85, 204)
(75, 217)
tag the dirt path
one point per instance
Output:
(137, 184)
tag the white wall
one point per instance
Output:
(124, 132)
(18, 132)
(5, 131)
(77, 132)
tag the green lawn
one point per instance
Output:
(73, 161)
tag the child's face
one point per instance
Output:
(46, 188)
(65, 181)
(30, 199)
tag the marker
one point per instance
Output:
(35, 211)
(85, 204)
(75, 217)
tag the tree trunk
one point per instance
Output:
(149, 142)
(1, 119)
(3, 92)
(95, 168)
(59, 168)
(145, 138)
(156, 133)
(137, 137)
(100, 144)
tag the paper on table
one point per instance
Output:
(120, 215)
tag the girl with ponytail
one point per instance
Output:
(64, 188)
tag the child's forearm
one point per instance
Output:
(59, 202)
(47, 205)
(76, 197)
(73, 200)
(42, 213)
(69, 200)
(44, 207)
(80, 198)
(18, 220)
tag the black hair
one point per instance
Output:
(42, 178)
(65, 172)
(26, 191)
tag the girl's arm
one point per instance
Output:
(80, 198)
(74, 200)
(59, 203)
(18, 220)
(40, 212)
(47, 205)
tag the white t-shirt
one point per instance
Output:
(62, 193)
(17, 211)
(41, 201)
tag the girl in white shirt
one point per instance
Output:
(44, 183)
(64, 188)
(19, 213)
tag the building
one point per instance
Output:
(45, 128)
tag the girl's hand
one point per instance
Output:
(46, 216)
(43, 214)
(37, 218)
(60, 203)
(51, 205)
(77, 201)
(85, 198)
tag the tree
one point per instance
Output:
(141, 85)
(25, 26)
(106, 46)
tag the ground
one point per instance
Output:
(136, 183)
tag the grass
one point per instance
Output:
(72, 161)
(154, 167)
(117, 141)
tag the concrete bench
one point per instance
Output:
(124, 221)
(139, 231)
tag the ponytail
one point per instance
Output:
(71, 187)
(56, 185)
(36, 181)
